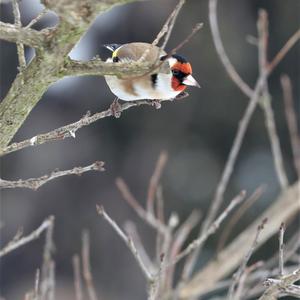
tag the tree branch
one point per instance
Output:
(45, 68)
(35, 183)
(283, 284)
(69, 130)
(27, 36)
(14, 244)
(282, 209)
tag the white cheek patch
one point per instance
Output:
(172, 61)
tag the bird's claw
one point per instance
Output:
(156, 103)
(115, 108)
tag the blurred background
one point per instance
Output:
(197, 132)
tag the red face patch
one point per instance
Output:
(177, 85)
(185, 68)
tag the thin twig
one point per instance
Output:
(37, 285)
(128, 241)
(240, 290)
(48, 267)
(77, 277)
(35, 183)
(237, 276)
(212, 229)
(154, 180)
(131, 231)
(171, 22)
(221, 51)
(141, 212)
(86, 266)
(291, 119)
(263, 35)
(20, 46)
(236, 216)
(281, 248)
(284, 50)
(15, 244)
(180, 237)
(37, 18)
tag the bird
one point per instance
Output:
(168, 82)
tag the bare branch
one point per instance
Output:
(141, 212)
(27, 36)
(242, 269)
(180, 237)
(263, 34)
(291, 118)
(35, 183)
(20, 46)
(221, 51)
(212, 229)
(284, 50)
(48, 268)
(77, 277)
(154, 180)
(281, 248)
(282, 209)
(283, 284)
(16, 243)
(236, 216)
(128, 241)
(222, 185)
(37, 18)
(69, 130)
(37, 285)
(86, 266)
(131, 231)
(169, 25)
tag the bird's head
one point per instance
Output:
(181, 72)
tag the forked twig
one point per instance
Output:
(263, 35)
(212, 228)
(237, 276)
(128, 241)
(16, 243)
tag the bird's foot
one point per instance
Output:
(115, 108)
(156, 103)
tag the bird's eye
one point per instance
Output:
(175, 72)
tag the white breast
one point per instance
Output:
(142, 88)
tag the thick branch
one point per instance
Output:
(27, 36)
(46, 68)
(99, 67)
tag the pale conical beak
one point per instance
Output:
(190, 80)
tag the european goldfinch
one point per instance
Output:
(172, 78)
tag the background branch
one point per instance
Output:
(35, 183)
(282, 209)
(19, 242)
